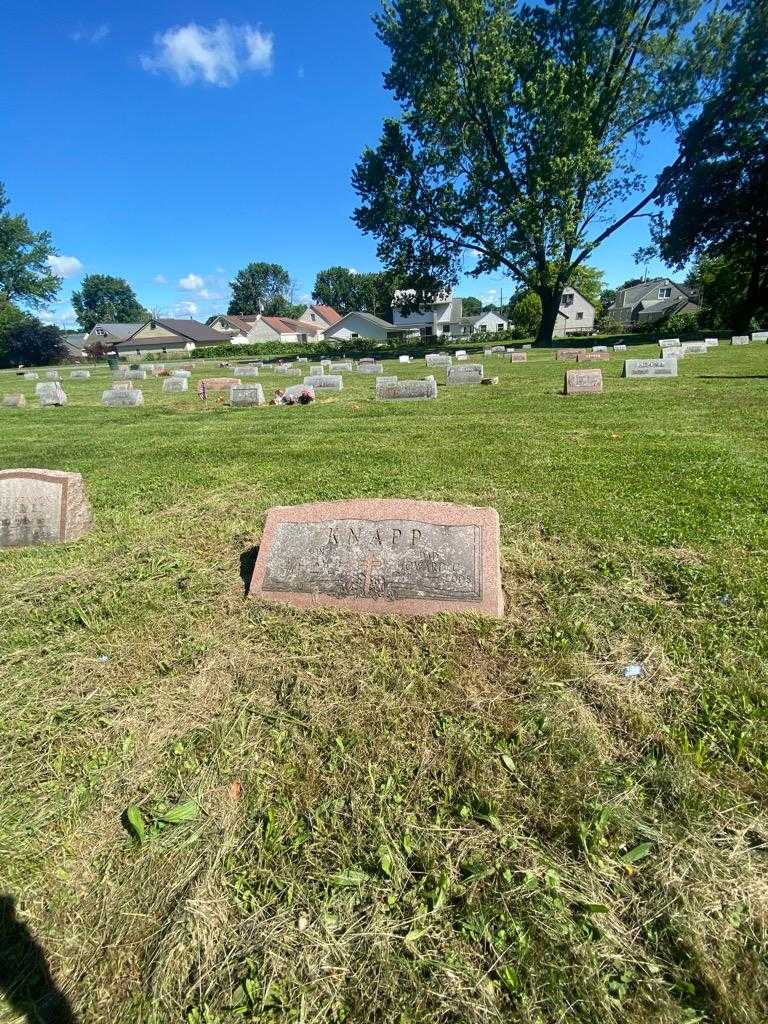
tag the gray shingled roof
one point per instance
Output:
(117, 331)
(193, 330)
(375, 320)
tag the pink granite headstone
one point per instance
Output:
(381, 556)
(42, 506)
(583, 382)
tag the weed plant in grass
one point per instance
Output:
(444, 820)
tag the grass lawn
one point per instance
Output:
(404, 821)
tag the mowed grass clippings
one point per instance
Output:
(213, 810)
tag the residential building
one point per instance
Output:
(366, 325)
(238, 324)
(171, 336)
(281, 328)
(320, 316)
(482, 323)
(112, 333)
(439, 318)
(652, 301)
(576, 314)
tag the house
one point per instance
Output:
(652, 301)
(282, 328)
(441, 317)
(171, 336)
(75, 343)
(366, 325)
(238, 324)
(112, 333)
(576, 314)
(482, 323)
(320, 316)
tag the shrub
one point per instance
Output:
(31, 342)
(682, 323)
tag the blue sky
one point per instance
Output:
(172, 143)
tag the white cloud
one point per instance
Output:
(65, 266)
(191, 283)
(216, 55)
(64, 317)
(352, 270)
(90, 35)
(300, 71)
(160, 279)
(186, 309)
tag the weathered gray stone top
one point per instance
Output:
(41, 506)
(53, 396)
(113, 397)
(638, 368)
(14, 401)
(498, 348)
(390, 389)
(174, 385)
(469, 373)
(381, 556)
(438, 359)
(370, 368)
(326, 381)
(583, 382)
(246, 394)
(80, 375)
(663, 342)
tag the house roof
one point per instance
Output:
(238, 323)
(327, 313)
(573, 288)
(193, 330)
(375, 320)
(477, 317)
(284, 325)
(117, 331)
(75, 342)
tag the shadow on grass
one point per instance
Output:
(247, 565)
(25, 978)
(733, 376)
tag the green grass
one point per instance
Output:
(448, 820)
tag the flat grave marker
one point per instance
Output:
(438, 359)
(381, 556)
(220, 383)
(569, 354)
(695, 348)
(14, 401)
(175, 385)
(594, 356)
(122, 397)
(325, 382)
(243, 395)
(371, 368)
(42, 506)
(517, 357)
(760, 336)
(390, 389)
(583, 382)
(80, 375)
(469, 373)
(740, 339)
(711, 342)
(31, 375)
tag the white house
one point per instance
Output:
(366, 325)
(441, 317)
(576, 314)
(281, 328)
(482, 323)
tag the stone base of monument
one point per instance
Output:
(381, 556)
(42, 506)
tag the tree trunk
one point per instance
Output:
(755, 289)
(550, 305)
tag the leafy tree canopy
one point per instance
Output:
(106, 299)
(718, 187)
(347, 290)
(262, 288)
(24, 272)
(472, 306)
(519, 129)
(32, 343)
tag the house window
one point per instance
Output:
(446, 329)
(483, 328)
(312, 316)
(579, 316)
(355, 335)
(665, 293)
(427, 332)
(567, 299)
(499, 327)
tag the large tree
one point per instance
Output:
(718, 187)
(25, 275)
(346, 290)
(30, 342)
(519, 130)
(106, 299)
(262, 288)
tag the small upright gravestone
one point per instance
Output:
(243, 395)
(599, 348)
(137, 375)
(583, 382)
(620, 348)
(438, 359)
(760, 336)
(461, 357)
(469, 373)
(526, 347)
(568, 355)
(713, 342)
(390, 389)
(666, 342)
(297, 390)
(316, 370)
(220, 383)
(517, 357)
(247, 371)
(594, 356)
(695, 348)
(325, 382)
(404, 359)
(175, 385)
(181, 373)
(740, 339)
(52, 394)
(80, 375)
(381, 556)
(341, 367)
(672, 352)
(370, 368)
(52, 375)
(14, 401)
(113, 397)
(31, 375)
(635, 369)
(41, 506)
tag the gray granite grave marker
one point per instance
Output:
(639, 368)
(41, 506)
